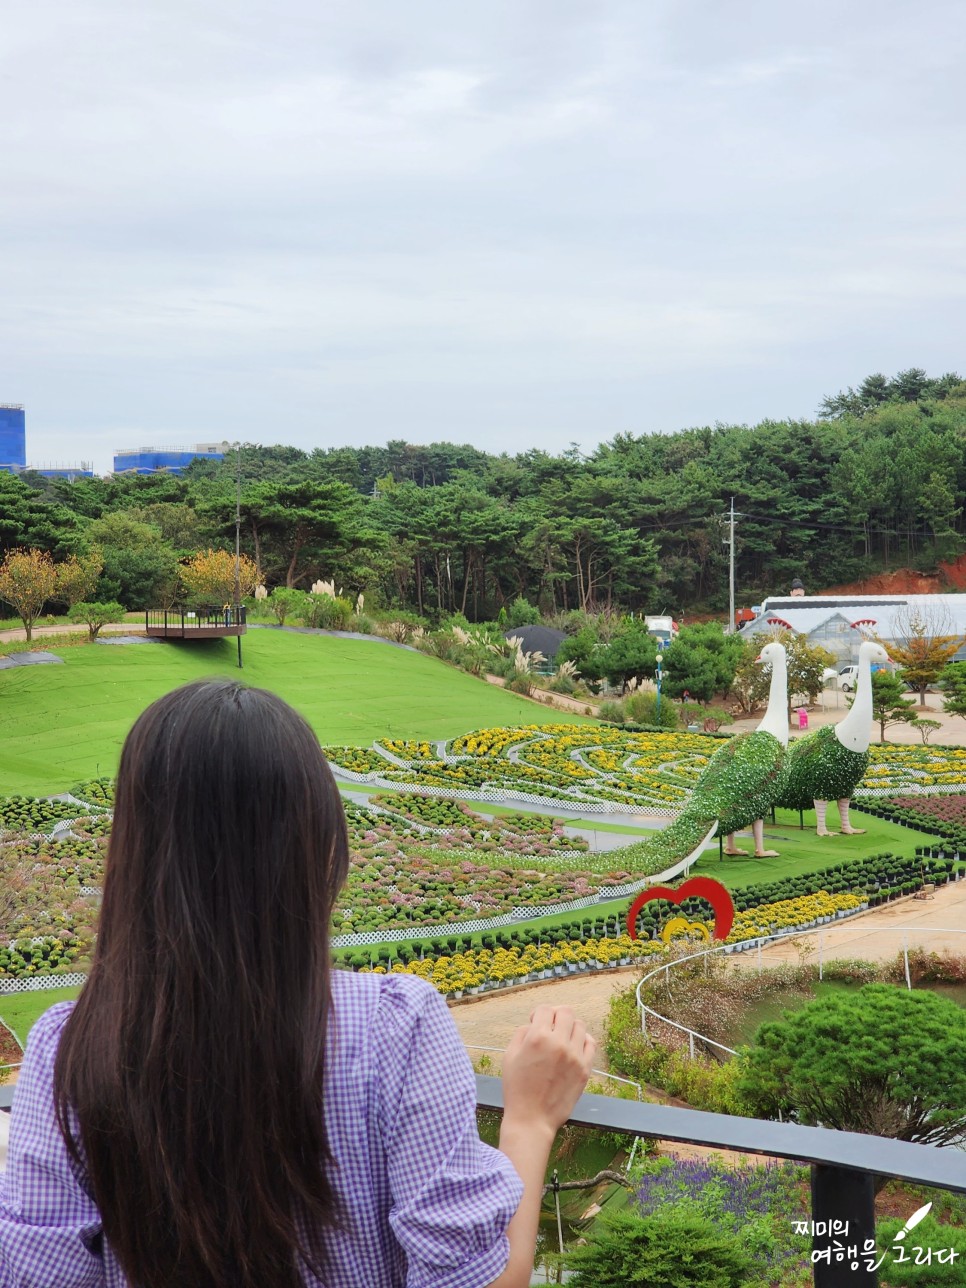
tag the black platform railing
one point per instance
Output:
(184, 620)
(844, 1164)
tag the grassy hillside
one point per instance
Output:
(64, 723)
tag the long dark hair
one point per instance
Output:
(191, 1065)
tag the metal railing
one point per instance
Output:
(181, 621)
(694, 1036)
(844, 1164)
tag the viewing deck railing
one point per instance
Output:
(186, 623)
(844, 1165)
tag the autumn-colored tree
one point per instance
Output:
(77, 577)
(807, 664)
(923, 642)
(28, 578)
(209, 577)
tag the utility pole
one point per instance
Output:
(729, 541)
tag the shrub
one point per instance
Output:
(660, 1251)
(612, 712)
(327, 613)
(285, 600)
(520, 682)
(642, 707)
(402, 628)
(900, 1074)
(929, 1234)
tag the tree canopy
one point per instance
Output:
(636, 525)
(887, 1061)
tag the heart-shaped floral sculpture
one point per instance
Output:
(696, 887)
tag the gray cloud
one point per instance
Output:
(515, 224)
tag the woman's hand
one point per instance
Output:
(546, 1067)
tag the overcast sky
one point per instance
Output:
(512, 223)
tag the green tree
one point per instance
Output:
(701, 661)
(522, 613)
(146, 578)
(953, 684)
(585, 651)
(28, 521)
(630, 655)
(140, 568)
(307, 529)
(886, 1061)
(94, 616)
(889, 706)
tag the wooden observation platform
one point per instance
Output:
(195, 624)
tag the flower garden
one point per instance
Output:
(604, 767)
(465, 899)
(470, 900)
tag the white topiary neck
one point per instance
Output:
(775, 720)
(855, 730)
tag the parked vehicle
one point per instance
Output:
(848, 676)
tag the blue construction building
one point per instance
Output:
(13, 437)
(170, 460)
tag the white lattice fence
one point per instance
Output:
(479, 924)
(38, 983)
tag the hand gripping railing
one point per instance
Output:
(844, 1164)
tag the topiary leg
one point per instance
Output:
(820, 828)
(847, 827)
(731, 848)
(758, 827)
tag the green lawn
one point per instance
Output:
(802, 851)
(19, 1011)
(66, 723)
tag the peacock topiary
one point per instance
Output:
(738, 787)
(828, 765)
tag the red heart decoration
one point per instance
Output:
(701, 887)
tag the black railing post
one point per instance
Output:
(843, 1209)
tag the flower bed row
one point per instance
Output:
(873, 880)
(476, 969)
(646, 768)
(473, 969)
(32, 814)
(944, 816)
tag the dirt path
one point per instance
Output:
(490, 1022)
(937, 923)
(40, 633)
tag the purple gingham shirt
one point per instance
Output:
(429, 1202)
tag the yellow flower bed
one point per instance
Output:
(461, 971)
(771, 918)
